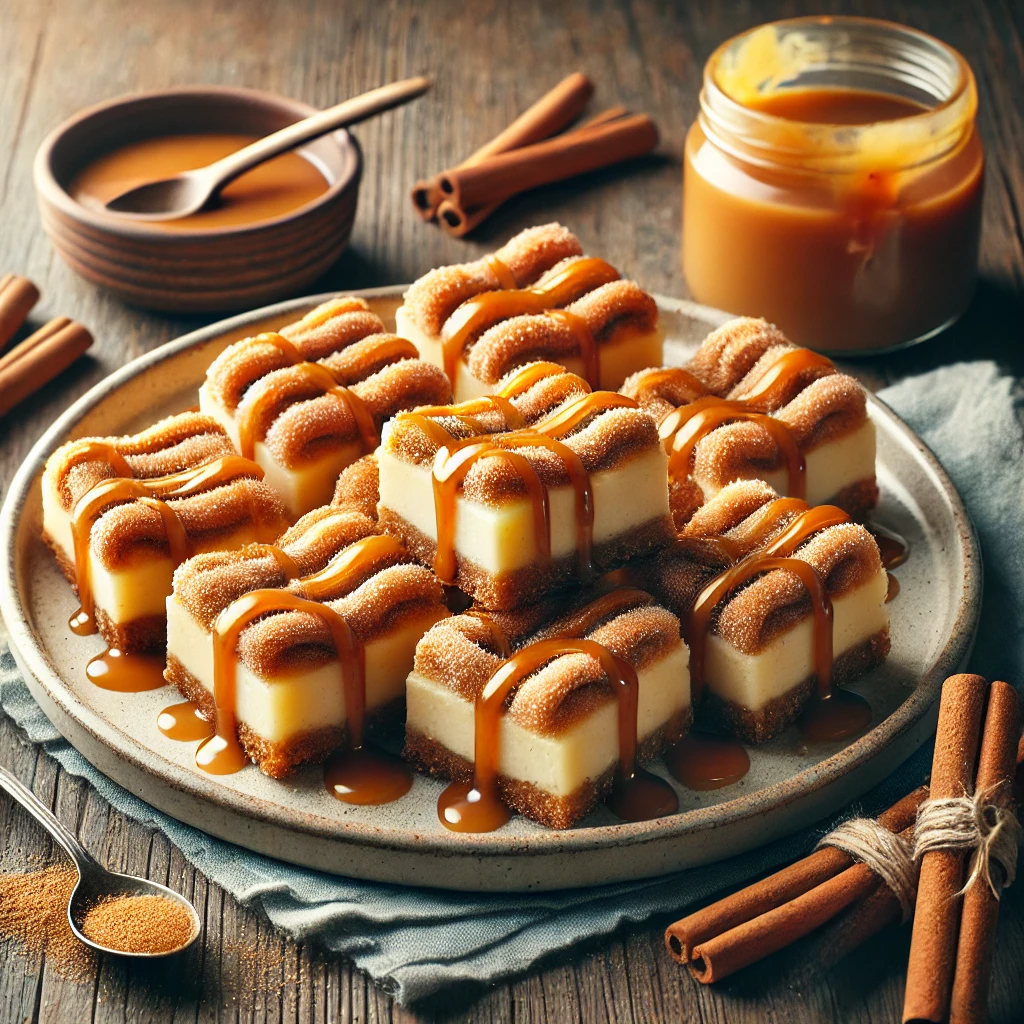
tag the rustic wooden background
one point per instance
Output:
(491, 58)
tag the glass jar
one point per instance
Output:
(832, 183)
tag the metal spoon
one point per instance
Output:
(95, 882)
(188, 192)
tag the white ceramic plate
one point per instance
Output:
(790, 785)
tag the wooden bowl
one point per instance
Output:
(215, 270)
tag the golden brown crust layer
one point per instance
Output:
(173, 444)
(135, 637)
(458, 653)
(206, 584)
(523, 338)
(767, 722)
(435, 759)
(358, 486)
(436, 295)
(508, 591)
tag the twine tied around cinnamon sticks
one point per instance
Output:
(887, 854)
(974, 825)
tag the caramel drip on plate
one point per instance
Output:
(184, 722)
(771, 389)
(314, 374)
(481, 311)
(682, 429)
(893, 548)
(477, 807)
(701, 761)
(126, 673)
(347, 568)
(151, 492)
(892, 589)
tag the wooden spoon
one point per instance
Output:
(190, 191)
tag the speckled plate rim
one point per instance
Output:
(908, 717)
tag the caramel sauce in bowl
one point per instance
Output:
(274, 230)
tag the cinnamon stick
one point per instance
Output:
(775, 891)
(500, 177)
(17, 297)
(980, 913)
(550, 114)
(457, 222)
(937, 913)
(39, 358)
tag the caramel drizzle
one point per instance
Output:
(390, 349)
(154, 492)
(774, 555)
(499, 642)
(222, 754)
(682, 429)
(455, 459)
(252, 429)
(94, 450)
(607, 606)
(482, 311)
(339, 576)
(483, 811)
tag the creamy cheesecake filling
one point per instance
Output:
(558, 764)
(753, 680)
(831, 468)
(627, 351)
(301, 700)
(501, 538)
(306, 487)
(211, 407)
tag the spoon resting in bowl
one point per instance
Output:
(188, 192)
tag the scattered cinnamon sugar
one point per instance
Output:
(138, 924)
(33, 913)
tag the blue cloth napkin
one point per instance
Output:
(414, 942)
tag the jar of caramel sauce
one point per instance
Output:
(832, 183)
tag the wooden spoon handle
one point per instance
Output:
(352, 111)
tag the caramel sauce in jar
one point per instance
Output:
(271, 190)
(826, 191)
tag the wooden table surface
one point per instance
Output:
(490, 59)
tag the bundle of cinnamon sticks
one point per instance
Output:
(530, 153)
(30, 364)
(954, 928)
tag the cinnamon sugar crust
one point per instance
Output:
(364, 358)
(435, 759)
(458, 654)
(306, 420)
(659, 392)
(523, 338)
(288, 641)
(172, 445)
(436, 295)
(507, 591)
(326, 329)
(803, 379)
(125, 532)
(729, 353)
(358, 486)
(407, 441)
(206, 584)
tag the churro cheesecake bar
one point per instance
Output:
(513, 495)
(537, 297)
(307, 401)
(780, 602)
(751, 405)
(119, 513)
(312, 631)
(557, 738)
